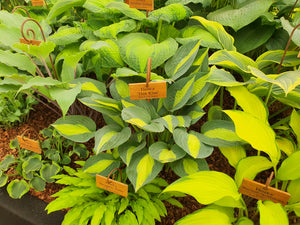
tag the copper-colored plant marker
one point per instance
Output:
(141, 4)
(28, 143)
(37, 2)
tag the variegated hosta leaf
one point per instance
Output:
(218, 32)
(161, 152)
(195, 112)
(232, 60)
(136, 48)
(290, 168)
(191, 143)
(89, 87)
(182, 60)
(209, 187)
(250, 166)
(291, 99)
(66, 35)
(179, 93)
(143, 103)
(200, 87)
(295, 124)
(211, 92)
(220, 133)
(126, 10)
(171, 122)
(119, 89)
(110, 136)
(222, 78)
(233, 154)
(287, 26)
(102, 163)
(76, 128)
(127, 149)
(188, 165)
(286, 145)
(105, 105)
(117, 120)
(272, 213)
(256, 132)
(204, 3)
(142, 169)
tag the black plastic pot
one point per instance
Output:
(26, 211)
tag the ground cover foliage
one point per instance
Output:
(92, 50)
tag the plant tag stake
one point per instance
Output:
(30, 41)
(141, 4)
(29, 144)
(37, 2)
(263, 191)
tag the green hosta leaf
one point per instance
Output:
(285, 145)
(66, 35)
(232, 60)
(113, 30)
(249, 102)
(128, 218)
(188, 165)
(241, 16)
(245, 221)
(233, 154)
(290, 168)
(37, 82)
(191, 143)
(161, 152)
(17, 188)
(182, 60)
(119, 89)
(221, 77)
(204, 3)
(127, 149)
(292, 99)
(295, 124)
(41, 51)
(98, 215)
(126, 10)
(102, 163)
(3, 179)
(90, 86)
(136, 48)
(218, 31)
(32, 164)
(287, 26)
(272, 213)
(209, 95)
(256, 132)
(48, 171)
(6, 162)
(38, 184)
(209, 187)
(249, 167)
(7, 71)
(76, 128)
(171, 122)
(9, 35)
(109, 137)
(195, 112)
(142, 169)
(294, 190)
(179, 93)
(212, 214)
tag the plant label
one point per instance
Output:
(262, 192)
(37, 2)
(29, 144)
(30, 42)
(141, 4)
(112, 185)
(298, 56)
(154, 90)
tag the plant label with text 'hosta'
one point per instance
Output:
(29, 144)
(263, 192)
(153, 90)
(37, 2)
(30, 41)
(112, 185)
(141, 4)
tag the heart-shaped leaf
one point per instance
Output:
(17, 188)
(48, 171)
(127, 149)
(161, 152)
(290, 168)
(272, 213)
(188, 165)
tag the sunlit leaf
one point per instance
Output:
(290, 168)
(272, 213)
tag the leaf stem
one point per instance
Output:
(269, 94)
(278, 112)
(158, 30)
(284, 185)
(221, 96)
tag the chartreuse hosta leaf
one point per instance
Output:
(222, 78)
(89, 87)
(126, 10)
(142, 169)
(290, 167)
(127, 149)
(66, 35)
(110, 136)
(76, 128)
(244, 221)
(256, 132)
(209, 187)
(272, 213)
(161, 152)
(102, 163)
(204, 3)
(191, 143)
(295, 124)
(294, 189)
(136, 48)
(119, 89)
(286, 145)
(188, 165)
(182, 60)
(218, 32)
(17, 188)
(249, 167)
(233, 154)
(41, 51)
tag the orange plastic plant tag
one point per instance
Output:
(141, 4)
(112, 185)
(298, 56)
(262, 192)
(154, 90)
(37, 2)
(30, 42)
(29, 144)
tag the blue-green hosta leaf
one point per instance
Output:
(32, 164)
(288, 27)
(209, 187)
(48, 171)
(204, 3)
(89, 87)
(286, 145)
(113, 30)
(249, 167)
(249, 102)
(218, 31)
(212, 214)
(38, 184)
(242, 16)
(232, 60)
(161, 152)
(142, 169)
(3, 179)
(182, 60)
(110, 136)
(41, 51)
(209, 95)
(136, 48)
(188, 165)
(76, 128)
(291, 99)
(127, 149)
(191, 143)
(256, 132)
(290, 168)
(17, 188)
(221, 77)
(195, 112)
(119, 89)
(126, 10)
(170, 13)
(66, 35)
(18, 60)
(294, 190)
(233, 154)
(102, 163)
(171, 122)
(6, 162)
(272, 213)
(295, 124)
